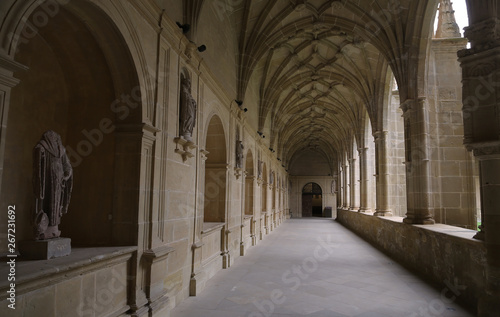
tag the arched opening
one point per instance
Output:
(355, 173)
(249, 182)
(312, 200)
(80, 69)
(215, 173)
(369, 156)
(395, 147)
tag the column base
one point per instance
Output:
(226, 260)
(197, 283)
(364, 209)
(254, 240)
(488, 306)
(479, 235)
(419, 221)
(353, 208)
(383, 213)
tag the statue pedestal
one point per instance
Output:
(45, 249)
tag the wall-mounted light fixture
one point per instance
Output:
(240, 103)
(185, 27)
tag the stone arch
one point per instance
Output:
(87, 90)
(215, 171)
(368, 167)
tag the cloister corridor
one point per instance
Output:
(316, 267)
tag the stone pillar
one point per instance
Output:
(340, 186)
(354, 206)
(419, 210)
(7, 82)
(382, 175)
(363, 167)
(346, 186)
(481, 112)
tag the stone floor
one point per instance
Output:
(316, 267)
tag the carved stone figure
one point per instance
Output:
(239, 154)
(271, 178)
(52, 185)
(334, 186)
(187, 118)
(259, 169)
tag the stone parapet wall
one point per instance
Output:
(446, 255)
(89, 282)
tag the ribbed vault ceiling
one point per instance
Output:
(320, 66)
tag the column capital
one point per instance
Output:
(380, 135)
(485, 149)
(483, 35)
(7, 67)
(409, 104)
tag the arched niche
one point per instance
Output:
(215, 172)
(81, 83)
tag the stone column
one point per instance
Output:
(354, 206)
(363, 167)
(7, 82)
(481, 112)
(419, 210)
(382, 175)
(340, 187)
(345, 204)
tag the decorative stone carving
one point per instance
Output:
(184, 148)
(239, 154)
(484, 148)
(447, 25)
(239, 159)
(259, 169)
(187, 118)
(482, 36)
(52, 185)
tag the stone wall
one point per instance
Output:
(443, 254)
(89, 282)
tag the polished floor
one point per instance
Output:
(316, 267)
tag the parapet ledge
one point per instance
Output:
(39, 273)
(458, 232)
(209, 227)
